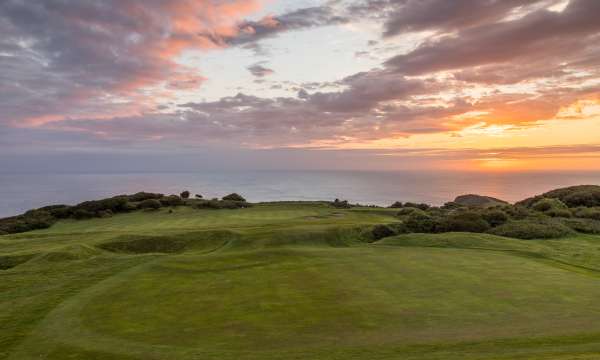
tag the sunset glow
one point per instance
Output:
(492, 86)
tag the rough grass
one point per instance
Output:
(293, 281)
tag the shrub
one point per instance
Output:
(562, 213)
(588, 213)
(171, 200)
(234, 197)
(82, 214)
(547, 204)
(468, 221)
(104, 213)
(423, 207)
(341, 204)
(2, 232)
(516, 212)
(532, 229)
(150, 204)
(115, 204)
(409, 210)
(495, 217)
(198, 196)
(420, 222)
(382, 231)
(141, 196)
(397, 205)
(221, 204)
(586, 226)
(185, 194)
(452, 206)
(588, 198)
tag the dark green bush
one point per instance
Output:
(547, 204)
(467, 221)
(150, 204)
(418, 206)
(141, 196)
(397, 205)
(516, 212)
(115, 204)
(586, 226)
(104, 214)
(561, 213)
(82, 214)
(588, 213)
(409, 210)
(198, 196)
(171, 200)
(221, 204)
(341, 204)
(541, 228)
(588, 198)
(495, 217)
(382, 231)
(234, 197)
(420, 222)
(185, 194)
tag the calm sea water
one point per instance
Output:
(20, 192)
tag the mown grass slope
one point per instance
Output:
(293, 281)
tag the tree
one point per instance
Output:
(234, 197)
(198, 196)
(185, 194)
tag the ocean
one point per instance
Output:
(24, 191)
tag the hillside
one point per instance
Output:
(297, 281)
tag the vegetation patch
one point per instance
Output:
(539, 228)
(137, 244)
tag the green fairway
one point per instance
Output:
(292, 281)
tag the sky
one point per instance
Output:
(490, 85)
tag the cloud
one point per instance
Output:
(260, 71)
(304, 18)
(555, 37)
(70, 58)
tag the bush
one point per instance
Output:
(495, 217)
(467, 221)
(150, 204)
(171, 200)
(452, 206)
(115, 204)
(234, 197)
(586, 226)
(419, 222)
(532, 229)
(104, 213)
(82, 214)
(141, 196)
(588, 213)
(423, 207)
(583, 198)
(408, 211)
(547, 204)
(341, 204)
(516, 212)
(562, 213)
(198, 196)
(185, 194)
(397, 205)
(382, 231)
(221, 204)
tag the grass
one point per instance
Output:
(293, 281)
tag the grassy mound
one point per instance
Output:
(135, 244)
(10, 261)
